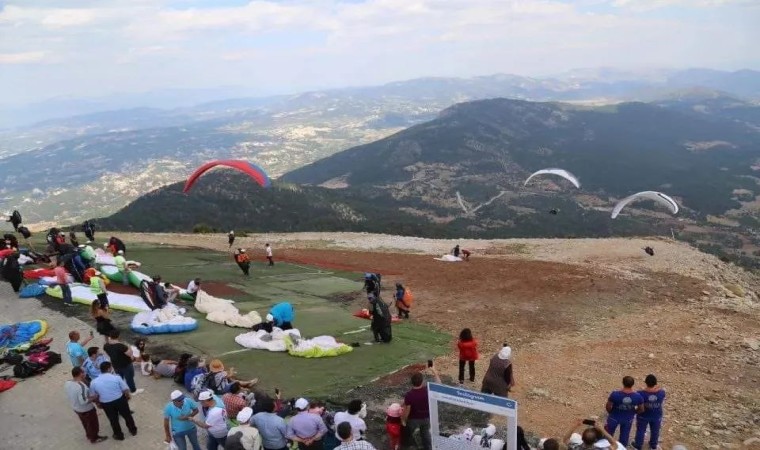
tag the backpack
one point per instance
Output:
(26, 369)
(46, 359)
(25, 232)
(16, 216)
(202, 382)
(234, 442)
(210, 384)
(13, 358)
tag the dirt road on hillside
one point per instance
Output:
(579, 315)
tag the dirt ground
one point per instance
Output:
(578, 326)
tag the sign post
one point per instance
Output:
(466, 398)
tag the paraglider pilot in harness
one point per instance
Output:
(243, 261)
(372, 283)
(89, 230)
(381, 319)
(15, 219)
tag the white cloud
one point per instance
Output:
(22, 58)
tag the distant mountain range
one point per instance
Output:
(62, 170)
(461, 174)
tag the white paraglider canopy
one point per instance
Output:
(658, 197)
(558, 172)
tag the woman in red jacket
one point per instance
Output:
(468, 353)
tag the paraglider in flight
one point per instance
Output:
(252, 170)
(649, 251)
(15, 219)
(658, 197)
(558, 172)
(553, 211)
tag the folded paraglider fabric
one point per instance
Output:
(82, 294)
(32, 290)
(135, 277)
(20, 336)
(261, 340)
(364, 314)
(449, 258)
(219, 310)
(36, 274)
(169, 319)
(318, 347)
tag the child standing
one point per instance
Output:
(468, 353)
(393, 425)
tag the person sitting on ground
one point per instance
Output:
(590, 437)
(234, 400)
(193, 287)
(172, 293)
(195, 368)
(403, 298)
(347, 436)
(354, 415)
(146, 365)
(122, 266)
(220, 380)
(243, 436)
(272, 427)
(162, 297)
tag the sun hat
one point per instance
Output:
(177, 395)
(244, 415)
(302, 404)
(215, 366)
(505, 352)
(205, 395)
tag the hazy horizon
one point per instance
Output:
(90, 49)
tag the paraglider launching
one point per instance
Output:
(252, 170)
(558, 172)
(658, 197)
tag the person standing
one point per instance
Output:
(243, 261)
(178, 421)
(12, 271)
(403, 297)
(231, 238)
(216, 421)
(305, 428)
(244, 435)
(102, 318)
(269, 254)
(274, 432)
(75, 350)
(416, 415)
(622, 407)
(381, 319)
(98, 287)
(468, 354)
(79, 397)
(62, 280)
(499, 378)
(121, 264)
(348, 441)
(92, 364)
(121, 359)
(112, 393)
(654, 397)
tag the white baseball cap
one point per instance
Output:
(244, 415)
(176, 395)
(270, 318)
(205, 395)
(120, 252)
(302, 404)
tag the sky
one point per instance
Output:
(90, 48)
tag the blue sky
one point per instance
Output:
(54, 48)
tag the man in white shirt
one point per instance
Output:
(244, 434)
(79, 396)
(216, 420)
(269, 254)
(355, 415)
(193, 287)
(347, 441)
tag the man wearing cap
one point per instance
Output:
(347, 439)
(216, 421)
(306, 428)
(499, 379)
(79, 396)
(112, 393)
(244, 434)
(178, 421)
(121, 264)
(221, 380)
(272, 427)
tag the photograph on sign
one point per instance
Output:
(462, 419)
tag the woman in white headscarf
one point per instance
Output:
(499, 379)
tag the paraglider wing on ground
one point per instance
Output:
(254, 171)
(558, 172)
(658, 197)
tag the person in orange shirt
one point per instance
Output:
(243, 261)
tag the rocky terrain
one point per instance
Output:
(580, 314)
